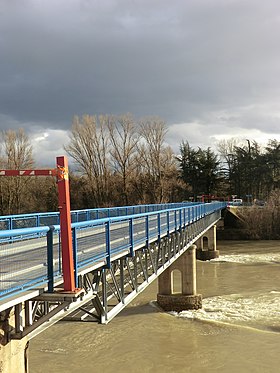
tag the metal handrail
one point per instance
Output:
(18, 221)
(95, 241)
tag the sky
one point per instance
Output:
(209, 68)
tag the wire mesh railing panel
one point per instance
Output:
(119, 236)
(93, 214)
(5, 224)
(115, 212)
(77, 216)
(171, 220)
(153, 226)
(102, 213)
(139, 231)
(57, 257)
(129, 210)
(23, 264)
(48, 220)
(91, 244)
(26, 222)
(164, 222)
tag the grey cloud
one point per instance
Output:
(183, 60)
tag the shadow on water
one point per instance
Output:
(273, 328)
(140, 309)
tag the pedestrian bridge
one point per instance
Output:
(117, 253)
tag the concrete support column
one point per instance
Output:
(209, 252)
(199, 244)
(212, 243)
(188, 298)
(13, 353)
(189, 271)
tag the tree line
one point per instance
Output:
(116, 160)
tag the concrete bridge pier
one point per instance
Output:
(187, 298)
(13, 353)
(207, 245)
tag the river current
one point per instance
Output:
(237, 330)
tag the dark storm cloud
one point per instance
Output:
(214, 62)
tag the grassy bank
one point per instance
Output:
(257, 223)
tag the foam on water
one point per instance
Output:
(260, 311)
(260, 258)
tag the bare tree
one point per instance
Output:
(89, 146)
(16, 154)
(226, 148)
(169, 175)
(152, 152)
(124, 140)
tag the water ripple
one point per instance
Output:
(261, 311)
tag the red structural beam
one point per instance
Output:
(61, 173)
(65, 223)
(52, 172)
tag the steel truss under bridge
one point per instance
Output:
(104, 292)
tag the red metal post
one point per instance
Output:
(61, 172)
(65, 223)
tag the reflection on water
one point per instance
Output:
(237, 330)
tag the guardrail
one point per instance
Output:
(28, 262)
(18, 221)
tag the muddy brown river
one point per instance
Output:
(237, 330)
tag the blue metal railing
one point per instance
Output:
(8, 222)
(30, 257)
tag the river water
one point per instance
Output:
(237, 330)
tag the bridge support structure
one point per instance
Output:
(13, 353)
(207, 245)
(167, 298)
(108, 286)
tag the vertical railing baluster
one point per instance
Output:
(180, 220)
(108, 243)
(147, 230)
(159, 230)
(104, 317)
(168, 223)
(75, 256)
(50, 259)
(131, 239)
